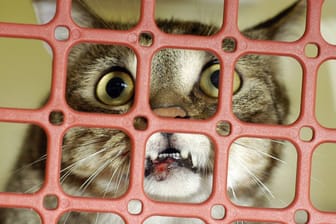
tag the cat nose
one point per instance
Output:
(175, 112)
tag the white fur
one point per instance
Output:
(197, 145)
(193, 61)
(182, 184)
(171, 220)
(45, 10)
(247, 158)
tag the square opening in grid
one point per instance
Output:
(23, 161)
(179, 161)
(113, 15)
(17, 11)
(327, 21)
(189, 17)
(95, 162)
(184, 83)
(103, 80)
(325, 106)
(267, 89)
(280, 21)
(258, 170)
(322, 180)
(25, 76)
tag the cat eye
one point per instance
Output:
(209, 81)
(115, 88)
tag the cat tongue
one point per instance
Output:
(161, 168)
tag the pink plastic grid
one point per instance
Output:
(141, 108)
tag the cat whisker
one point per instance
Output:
(120, 178)
(257, 180)
(92, 142)
(67, 217)
(240, 222)
(67, 174)
(70, 168)
(97, 218)
(261, 153)
(91, 178)
(109, 183)
(113, 175)
(278, 142)
(42, 158)
(16, 171)
(232, 188)
(33, 189)
(317, 180)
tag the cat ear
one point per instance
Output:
(85, 16)
(44, 10)
(80, 12)
(82, 15)
(285, 26)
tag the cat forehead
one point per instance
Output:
(178, 69)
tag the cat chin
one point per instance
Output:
(181, 185)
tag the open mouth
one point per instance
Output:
(167, 161)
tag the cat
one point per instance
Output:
(184, 85)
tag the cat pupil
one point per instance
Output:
(214, 78)
(115, 87)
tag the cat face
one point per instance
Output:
(176, 91)
(184, 84)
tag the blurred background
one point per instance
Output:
(25, 74)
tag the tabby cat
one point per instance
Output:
(184, 85)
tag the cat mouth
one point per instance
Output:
(167, 161)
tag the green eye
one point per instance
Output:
(237, 82)
(209, 81)
(115, 88)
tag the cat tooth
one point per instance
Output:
(154, 156)
(184, 154)
(194, 161)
